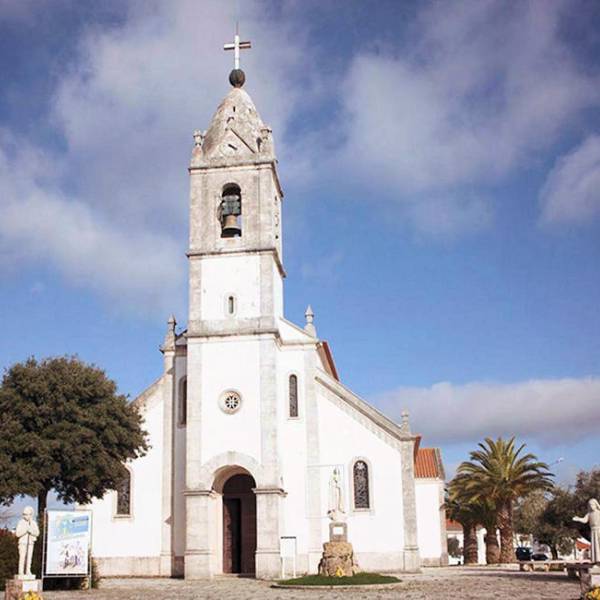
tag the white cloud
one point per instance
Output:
(39, 223)
(571, 192)
(547, 411)
(473, 98)
(109, 211)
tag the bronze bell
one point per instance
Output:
(231, 209)
(231, 227)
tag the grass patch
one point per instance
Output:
(358, 579)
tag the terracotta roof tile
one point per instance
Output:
(428, 464)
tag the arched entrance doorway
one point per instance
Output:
(239, 524)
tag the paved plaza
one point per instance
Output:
(452, 583)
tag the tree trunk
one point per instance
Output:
(36, 566)
(470, 544)
(492, 550)
(554, 552)
(507, 554)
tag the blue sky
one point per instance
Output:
(441, 169)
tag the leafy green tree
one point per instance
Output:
(556, 527)
(587, 485)
(498, 472)
(64, 427)
(454, 548)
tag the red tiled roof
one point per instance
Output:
(326, 357)
(453, 525)
(581, 545)
(428, 464)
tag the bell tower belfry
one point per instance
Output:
(235, 308)
(235, 251)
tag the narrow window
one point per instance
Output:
(293, 383)
(230, 211)
(124, 496)
(183, 401)
(361, 484)
(230, 305)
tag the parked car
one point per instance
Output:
(539, 556)
(523, 553)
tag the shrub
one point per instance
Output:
(9, 555)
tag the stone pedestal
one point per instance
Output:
(338, 531)
(17, 588)
(589, 580)
(338, 559)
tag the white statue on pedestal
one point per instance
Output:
(593, 519)
(336, 501)
(27, 533)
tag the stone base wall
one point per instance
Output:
(435, 562)
(128, 566)
(380, 561)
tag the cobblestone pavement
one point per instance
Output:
(457, 583)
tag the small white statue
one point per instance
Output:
(336, 501)
(27, 533)
(593, 519)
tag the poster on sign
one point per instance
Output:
(68, 542)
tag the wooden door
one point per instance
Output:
(232, 538)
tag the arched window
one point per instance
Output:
(231, 210)
(293, 395)
(231, 305)
(183, 401)
(360, 478)
(124, 496)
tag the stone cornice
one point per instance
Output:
(203, 492)
(270, 490)
(225, 328)
(252, 251)
(205, 166)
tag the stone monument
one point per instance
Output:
(592, 518)
(338, 554)
(27, 533)
(590, 579)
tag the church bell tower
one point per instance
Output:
(235, 307)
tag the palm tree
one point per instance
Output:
(483, 512)
(499, 473)
(464, 514)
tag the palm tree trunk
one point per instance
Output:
(470, 544)
(507, 554)
(492, 550)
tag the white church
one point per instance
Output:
(249, 421)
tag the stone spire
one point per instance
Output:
(404, 423)
(310, 317)
(169, 343)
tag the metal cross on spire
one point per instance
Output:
(236, 47)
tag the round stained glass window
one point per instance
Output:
(230, 402)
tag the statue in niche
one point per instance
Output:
(27, 533)
(593, 520)
(336, 501)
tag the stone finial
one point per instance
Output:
(310, 317)
(169, 343)
(404, 423)
(198, 137)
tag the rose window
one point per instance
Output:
(230, 402)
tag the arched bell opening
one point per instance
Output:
(231, 211)
(238, 535)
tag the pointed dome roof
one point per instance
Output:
(236, 127)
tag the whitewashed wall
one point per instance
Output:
(380, 529)
(429, 494)
(137, 537)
